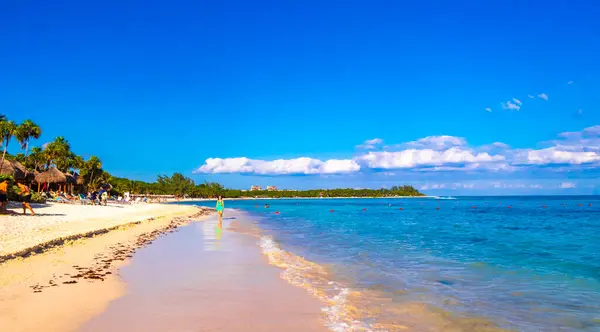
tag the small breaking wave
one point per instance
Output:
(340, 315)
(367, 310)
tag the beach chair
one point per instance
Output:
(120, 200)
(84, 200)
(60, 199)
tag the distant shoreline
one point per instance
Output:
(272, 198)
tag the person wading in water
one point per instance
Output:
(220, 207)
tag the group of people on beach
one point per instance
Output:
(98, 197)
(24, 197)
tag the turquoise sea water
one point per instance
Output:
(525, 263)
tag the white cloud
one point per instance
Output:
(463, 185)
(510, 105)
(336, 166)
(571, 151)
(567, 185)
(437, 142)
(302, 165)
(500, 185)
(508, 185)
(496, 146)
(500, 145)
(587, 140)
(370, 144)
(517, 101)
(570, 82)
(543, 96)
(434, 186)
(530, 96)
(488, 109)
(413, 158)
(555, 155)
(592, 131)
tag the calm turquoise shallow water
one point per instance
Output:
(532, 267)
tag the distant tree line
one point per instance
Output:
(179, 185)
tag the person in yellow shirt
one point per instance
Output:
(3, 195)
(25, 196)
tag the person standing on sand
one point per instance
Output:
(220, 207)
(3, 195)
(25, 196)
(104, 197)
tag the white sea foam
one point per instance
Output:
(295, 272)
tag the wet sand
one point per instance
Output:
(203, 279)
(64, 286)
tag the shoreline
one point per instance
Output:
(199, 278)
(51, 283)
(286, 198)
(300, 291)
(347, 308)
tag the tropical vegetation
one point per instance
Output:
(58, 154)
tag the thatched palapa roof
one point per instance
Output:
(19, 166)
(29, 175)
(52, 175)
(7, 168)
(13, 168)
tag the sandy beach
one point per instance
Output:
(196, 279)
(70, 281)
(21, 234)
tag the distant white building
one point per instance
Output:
(254, 188)
(271, 188)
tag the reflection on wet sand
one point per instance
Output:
(212, 232)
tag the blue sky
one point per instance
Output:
(162, 87)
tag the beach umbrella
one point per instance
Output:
(52, 175)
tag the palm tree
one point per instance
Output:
(7, 130)
(133, 186)
(91, 166)
(36, 158)
(57, 151)
(76, 162)
(100, 179)
(25, 132)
